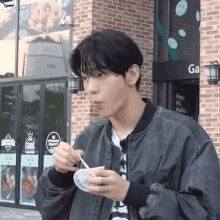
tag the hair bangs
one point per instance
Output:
(91, 60)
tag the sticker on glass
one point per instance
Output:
(182, 33)
(30, 144)
(181, 8)
(8, 142)
(198, 16)
(53, 140)
(172, 43)
(7, 183)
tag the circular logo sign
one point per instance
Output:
(172, 43)
(182, 33)
(181, 8)
(198, 16)
(53, 140)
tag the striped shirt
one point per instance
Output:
(119, 209)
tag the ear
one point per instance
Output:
(132, 75)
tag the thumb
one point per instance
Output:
(80, 152)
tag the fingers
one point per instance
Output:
(71, 152)
(65, 157)
(104, 177)
(100, 171)
(63, 169)
(63, 154)
(58, 158)
(98, 190)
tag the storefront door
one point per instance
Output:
(32, 122)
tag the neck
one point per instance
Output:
(127, 118)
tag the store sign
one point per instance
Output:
(8, 159)
(45, 49)
(184, 99)
(30, 144)
(53, 140)
(180, 99)
(29, 160)
(8, 142)
(193, 69)
(175, 70)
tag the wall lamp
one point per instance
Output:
(213, 73)
(75, 84)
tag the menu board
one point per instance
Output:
(7, 176)
(29, 174)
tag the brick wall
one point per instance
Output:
(134, 17)
(209, 50)
(80, 105)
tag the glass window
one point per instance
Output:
(29, 143)
(8, 144)
(178, 33)
(54, 119)
(44, 37)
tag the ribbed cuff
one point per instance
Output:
(61, 179)
(137, 194)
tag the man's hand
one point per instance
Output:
(65, 157)
(115, 187)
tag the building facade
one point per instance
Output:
(178, 38)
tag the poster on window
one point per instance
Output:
(35, 17)
(47, 161)
(7, 176)
(29, 174)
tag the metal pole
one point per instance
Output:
(17, 39)
(69, 96)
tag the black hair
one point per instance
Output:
(106, 50)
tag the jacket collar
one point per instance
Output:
(144, 121)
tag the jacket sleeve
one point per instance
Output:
(199, 194)
(53, 202)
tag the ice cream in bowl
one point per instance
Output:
(81, 175)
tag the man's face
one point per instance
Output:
(107, 92)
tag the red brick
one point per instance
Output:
(202, 115)
(212, 51)
(211, 110)
(212, 13)
(216, 95)
(205, 95)
(205, 124)
(211, 100)
(211, 119)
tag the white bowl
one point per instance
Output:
(80, 178)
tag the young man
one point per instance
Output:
(159, 164)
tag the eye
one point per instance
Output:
(100, 74)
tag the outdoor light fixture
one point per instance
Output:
(75, 84)
(213, 73)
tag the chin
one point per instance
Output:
(104, 114)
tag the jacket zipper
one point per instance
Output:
(102, 201)
(127, 171)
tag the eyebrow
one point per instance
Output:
(94, 69)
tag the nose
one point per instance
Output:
(91, 86)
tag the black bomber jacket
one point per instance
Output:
(172, 167)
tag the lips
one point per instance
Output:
(97, 104)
